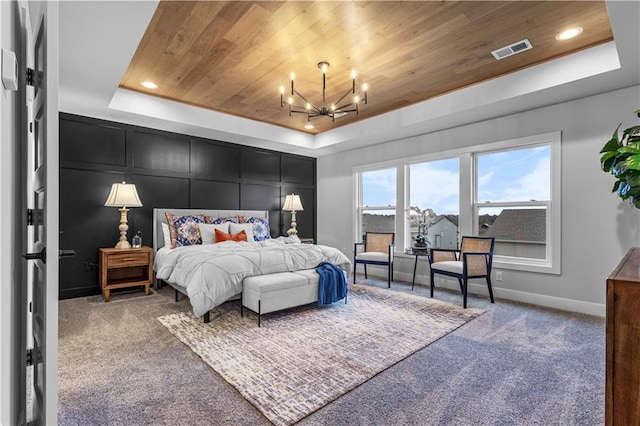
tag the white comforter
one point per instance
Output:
(213, 273)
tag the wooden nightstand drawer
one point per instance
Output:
(128, 258)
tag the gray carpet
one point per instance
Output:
(515, 364)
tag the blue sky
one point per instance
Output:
(513, 175)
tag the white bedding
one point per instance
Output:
(213, 273)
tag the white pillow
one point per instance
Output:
(208, 234)
(166, 235)
(234, 228)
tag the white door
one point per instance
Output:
(40, 138)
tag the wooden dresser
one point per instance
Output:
(622, 406)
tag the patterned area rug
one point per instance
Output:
(302, 359)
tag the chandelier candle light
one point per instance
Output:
(336, 109)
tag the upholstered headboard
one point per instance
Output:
(159, 218)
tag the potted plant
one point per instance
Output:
(621, 158)
(421, 240)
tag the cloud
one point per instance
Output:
(436, 187)
(379, 187)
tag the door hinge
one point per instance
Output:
(30, 76)
(29, 357)
(29, 217)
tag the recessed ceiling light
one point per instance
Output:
(570, 33)
(149, 84)
(309, 126)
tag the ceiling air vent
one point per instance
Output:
(512, 49)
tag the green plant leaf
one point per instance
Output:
(632, 179)
(614, 143)
(629, 149)
(621, 157)
(634, 130)
(633, 162)
(616, 186)
(608, 159)
(634, 191)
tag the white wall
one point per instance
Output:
(9, 277)
(597, 227)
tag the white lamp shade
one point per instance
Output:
(123, 195)
(292, 203)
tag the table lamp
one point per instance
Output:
(292, 204)
(123, 195)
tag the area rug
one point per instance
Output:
(301, 359)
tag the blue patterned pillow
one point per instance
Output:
(184, 230)
(220, 220)
(260, 228)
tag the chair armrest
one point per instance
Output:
(355, 248)
(475, 266)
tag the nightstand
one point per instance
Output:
(120, 268)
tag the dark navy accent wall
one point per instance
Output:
(169, 170)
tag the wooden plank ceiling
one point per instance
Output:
(233, 56)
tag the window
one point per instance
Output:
(509, 190)
(377, 207)
(434, 203)
(514, 200)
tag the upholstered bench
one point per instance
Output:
(263, 294)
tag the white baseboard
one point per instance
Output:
(480, 288)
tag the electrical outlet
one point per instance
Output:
(498, 275)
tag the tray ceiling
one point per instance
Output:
(233, 56)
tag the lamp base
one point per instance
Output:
(123, 245)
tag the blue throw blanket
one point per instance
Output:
(332, 285)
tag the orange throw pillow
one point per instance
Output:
(223, 236)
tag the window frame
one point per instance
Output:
(468, 218)
(551, 263)
(360, 208)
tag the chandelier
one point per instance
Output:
(341, 107)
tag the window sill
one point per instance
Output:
(524, 265)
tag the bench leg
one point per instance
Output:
(259, 313)
(207, 317)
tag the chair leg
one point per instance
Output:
(432, 283)
(365, 271)
(464, 293)
(460, 283)
(490, 289)
(389, 275)
(354, 271)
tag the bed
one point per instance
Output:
(212, 273)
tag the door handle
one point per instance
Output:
(41, 255)
(66, 253)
